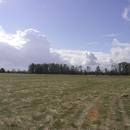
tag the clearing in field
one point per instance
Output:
(64, 102)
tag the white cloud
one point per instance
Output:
(116, 42)
(16, 40)
(25, 47)
(112, 35)
(121, 54)
(121, 51)
(92, 43)
(125, 14)
(86, 58)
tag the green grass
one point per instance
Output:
(56, 102)
(97, 122)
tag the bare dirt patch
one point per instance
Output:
(93, 114)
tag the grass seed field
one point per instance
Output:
(64, 102)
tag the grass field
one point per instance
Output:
(64, 102)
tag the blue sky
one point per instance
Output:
(69, 24)
(90, 25)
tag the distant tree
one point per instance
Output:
(123, 67)
(129, 68)
(31, 68)
(84, 72)
(114, 69)
(13, 71)
(76, 70)
(65, 69)
(45, 68)
(97, 71)
(88, 69)
(106, 71)
(38, 69)
(58, 68)
(72, 69)
(8, 71)
(2, 70)
(80, 69)
(51, 68)
(24, 71)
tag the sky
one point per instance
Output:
(73, 32)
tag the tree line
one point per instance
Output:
(2, 70)
(122, 68)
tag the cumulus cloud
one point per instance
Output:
(119, 52)
(16, 40)
(19, 50)
(125, 14)
(26, 47)
(87, 58)
(77, 57)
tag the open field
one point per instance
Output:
(64, 102)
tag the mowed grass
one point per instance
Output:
(64, 102)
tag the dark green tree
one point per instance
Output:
(97, 71)
(31, 68)
(2, 70)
